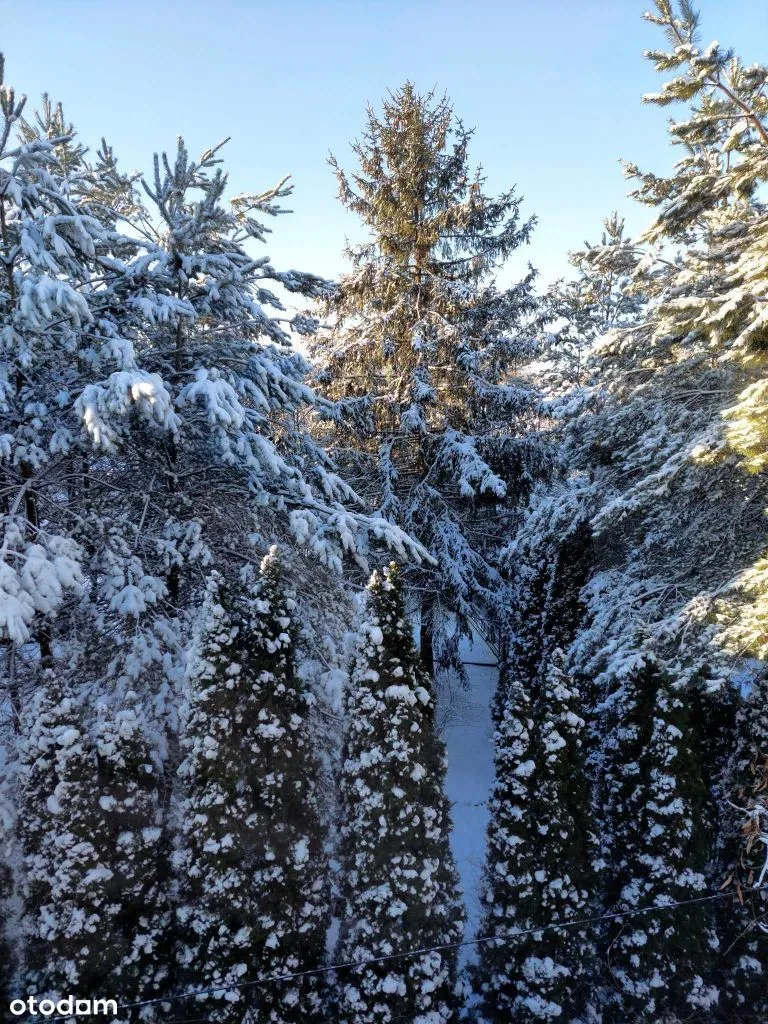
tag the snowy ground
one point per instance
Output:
(465, 719)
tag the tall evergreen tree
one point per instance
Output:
(216, 913)
(253, 900)
(66, 876)
(291, 874)
(564, 960)
(208, 357)
(649, 447)
(708, 327)
(599, 299)
(539, 859)
(743, 837)
(657, 833)
(150, 380)
(539, 845)
(94, 875)
(49, 245)
(399, 885)
(132, 832)
(649, 451)
(511, 861)
(151, 424)
(425, 355)
(7, 954)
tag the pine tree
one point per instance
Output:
(95, 904)
(539, 845)
(658, 833)
(399, 885)
(706, 336)
(425, 356)
(649, 453)
(49, 244)
(151, 426)
(154, 405)
(211, 390)
(708, 328)
(648, 445)
(66, 879)
(253, 901)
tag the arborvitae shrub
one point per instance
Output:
(399, 885)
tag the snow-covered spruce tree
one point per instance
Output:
(542, 874)
(658, 840)
(650, 464)
(644, 451)
(252, 871)
(131, 832)
(558, 965)
(696, 363)
(149, 417)
(744, 855)
(7, 953)
(511, 860)
(399, 885)
(539, 858)
(702, 348)
(649, 452)
(425, 356)
(600, 298)
(216, 913)
(65, 879)
(290, 879)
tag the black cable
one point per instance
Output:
(616, 916)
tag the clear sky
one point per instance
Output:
(552, 88)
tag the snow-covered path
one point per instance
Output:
(465, 718)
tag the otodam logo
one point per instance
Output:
(68, 1006)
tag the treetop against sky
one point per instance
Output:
(553, 89)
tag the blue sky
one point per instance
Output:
(552, 88)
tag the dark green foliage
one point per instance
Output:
(744, 854)
(539, 868)
(253, 877)
(511, 856)
(132, 834)
(7, 954)
(399, 886)
(657, 833)
(601, 298)
(426, 357)
(66, 872)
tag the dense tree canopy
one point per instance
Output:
(426, 357)
(219, 761)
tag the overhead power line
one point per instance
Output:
(404, 954)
